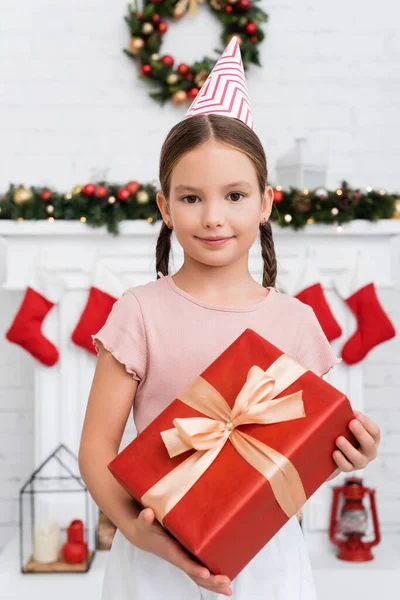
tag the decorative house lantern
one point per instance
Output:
(301, 167)
(57, 518)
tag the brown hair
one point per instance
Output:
(187, 135)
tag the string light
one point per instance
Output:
(150, 220)
(369, 189)
(20, 219)
(382, 192)
(279, 188)
(305, 192)
(51, 219)
(339, 192)
(83, 219)
(111, 200)
(339, 229)
(288, 218)
(68, 196)
(335, 211)
(310, 221)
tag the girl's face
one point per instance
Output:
(215, 193)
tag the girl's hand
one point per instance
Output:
(348, 458)
(151, 537)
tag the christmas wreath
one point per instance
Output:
(181, 83)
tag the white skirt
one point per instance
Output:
(280, 571)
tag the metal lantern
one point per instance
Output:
(301, 167)
(57, 518)
(349, 527)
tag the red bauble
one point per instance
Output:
(146, 69)
(156, 18)
(251, 28)
(162, 28)
(167, 60)
(243, 5)
(193, 93)
(132, 187)
(228, 8)
(123, 194)
(183, 69)
(46, 195)
(101, 191)
(254, 39)
(278, 196)
(139, 15)
(189, 77)
(88, 189)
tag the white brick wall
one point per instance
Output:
(72, 109)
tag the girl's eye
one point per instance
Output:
(236, 194)
(186, 197)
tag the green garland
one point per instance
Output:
(181, 85)
(108, 204)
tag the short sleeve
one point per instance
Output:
(314, 351)
(123, 334)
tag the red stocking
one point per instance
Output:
(42, 293)
(106, 288)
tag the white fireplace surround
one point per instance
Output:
(70, 249)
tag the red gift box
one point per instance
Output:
(258, 462)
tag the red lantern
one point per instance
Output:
(351, 524)
(88, 189)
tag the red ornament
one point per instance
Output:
(251, 28)
(88, 189)
(183, 69)
(46, 195)
(167, 60)
(123, 194)
(193, 93)
(162, 28)
(132, 187)
(243, 5)
(254, 39)
(189, 77)
(278, 196)
(101, 191)
(157, 1)
(357, 507)
(146, 70)
(156, 18)
(139, 15)
(228, 8)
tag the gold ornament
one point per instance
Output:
(76, 190)
(22, 195)
(147, 28)
(301, 202)
(142, 197)
(218, 4)
(172, 79)
(182, 5)
(180, 97)
(135, 45)
(50, 209)
(201, 77)
(155, 57)
(397, 210)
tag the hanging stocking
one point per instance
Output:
(308, 289)
(373, 325)
(43, 292)
(106, 288)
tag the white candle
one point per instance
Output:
(46, 542)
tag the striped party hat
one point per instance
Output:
(225, 90)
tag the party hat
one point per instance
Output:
(225, 90)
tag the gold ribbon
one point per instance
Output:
(255, 403)
(181, 6)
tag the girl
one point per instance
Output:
(160, 336)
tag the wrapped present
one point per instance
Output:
(237, 454)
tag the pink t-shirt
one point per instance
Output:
(165, 338)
